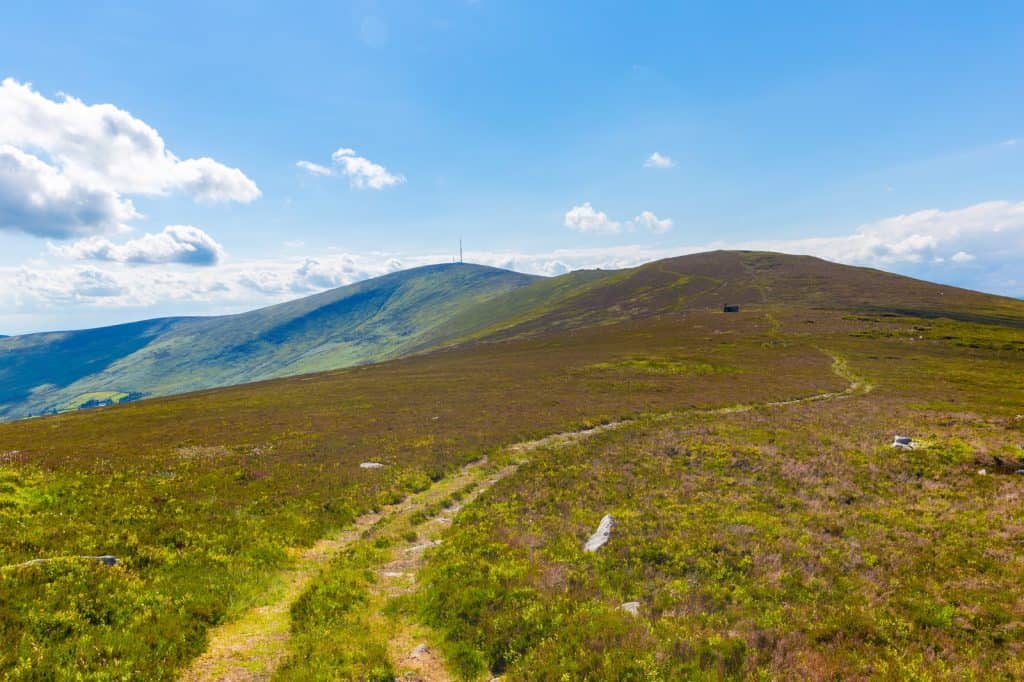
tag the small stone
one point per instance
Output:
(903, 442)
(370, 465)
(420, 651)
(982, 472)
(631, 607)
(107, 560)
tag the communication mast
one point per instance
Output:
(460, 249)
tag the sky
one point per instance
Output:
(212, 157)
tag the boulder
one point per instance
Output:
(631, 607)
(370, 465)
(903, 442)
(601, 535)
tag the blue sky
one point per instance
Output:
(883, 134)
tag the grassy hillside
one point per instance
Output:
(363, 322)
(783, 542)
(707, 281)
(762, 538)
(438, 306)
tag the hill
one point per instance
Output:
(764, 527)
(440, 306)
(364, 322)
(705, 281)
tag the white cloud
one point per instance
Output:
(36, 198)
(584, 218)
(182, 244)
(68, 149)
(206, 180)
(658, 160)
(962, 257)
(363, 173)
(314, 168)
(652, 222)
(992, 230)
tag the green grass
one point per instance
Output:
(777, 542)
(200, 495)
(786, 542)
(94, 397)
(659, 366)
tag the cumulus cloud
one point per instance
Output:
(652, 222)
(182, 244)
(584, 218)
(38, 199)
(361, 173)
(91, 156)
(658, 160)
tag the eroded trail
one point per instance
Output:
(252, 646)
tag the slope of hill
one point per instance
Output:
(764, 527)
(367, 321)
(708, 280)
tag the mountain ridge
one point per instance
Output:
(445, 305)
(349, 325)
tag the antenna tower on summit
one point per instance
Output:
(460, 249)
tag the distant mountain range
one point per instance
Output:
(432, 307)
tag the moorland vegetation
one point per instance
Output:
(764, 524)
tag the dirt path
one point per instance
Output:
(252, 646)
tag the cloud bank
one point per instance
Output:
(182, 244)
(980, 247)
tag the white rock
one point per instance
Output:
(631, 607)
(370, 465)
(601, 535)
(903, 442)
(420, 651)
(982, 472)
